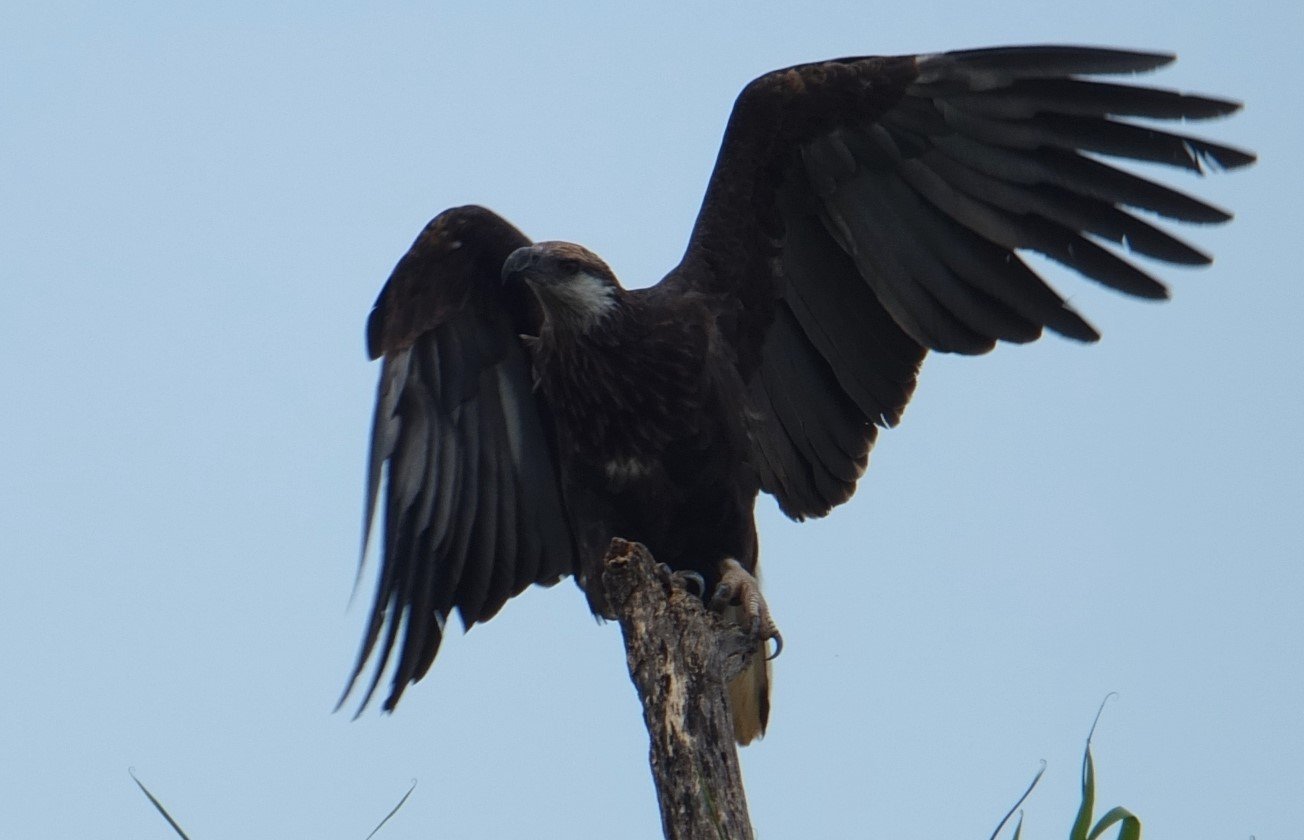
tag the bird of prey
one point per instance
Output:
(861, 212)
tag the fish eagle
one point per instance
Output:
(861, 212)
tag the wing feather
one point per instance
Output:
(992, 66)
(832, 445)
(1092, 133)
(1027, 97)
(385, 427)
(845, 322)
(1079, 175)
(782, 468)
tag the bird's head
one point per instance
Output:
(576, 289)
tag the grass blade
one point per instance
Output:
(1018, 828)
(393, 811)
(158, 805)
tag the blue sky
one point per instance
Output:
(200, 205)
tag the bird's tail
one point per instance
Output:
(749, 693)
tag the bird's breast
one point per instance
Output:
(625, 396)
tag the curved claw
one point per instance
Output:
(698, 582)
(778, 646)
(684, 578)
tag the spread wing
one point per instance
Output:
(472, 506)
(866, 210)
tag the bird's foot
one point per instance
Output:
(738, 588)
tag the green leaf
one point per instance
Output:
(1130, 829)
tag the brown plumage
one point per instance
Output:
(861, 212)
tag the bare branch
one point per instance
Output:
(681, 658)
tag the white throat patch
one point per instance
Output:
(578, 302)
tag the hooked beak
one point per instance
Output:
(519, 263)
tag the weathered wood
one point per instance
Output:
(681, 657)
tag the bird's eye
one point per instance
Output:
(569, 266)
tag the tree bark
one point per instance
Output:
(681, 657)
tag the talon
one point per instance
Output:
(685, 578)
(778, 646)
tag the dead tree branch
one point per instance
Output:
(681, 658)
